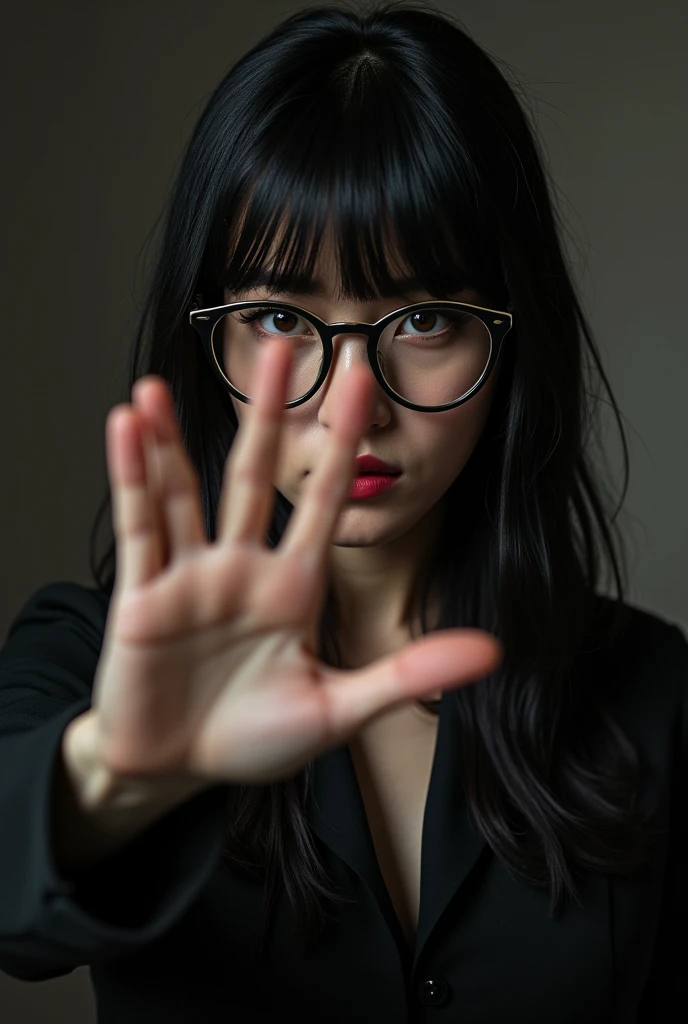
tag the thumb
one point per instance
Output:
(446, 659)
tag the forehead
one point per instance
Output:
(319, 276)
(326, 252)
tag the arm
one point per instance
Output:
(666, 989)
(94, 813)
(68, 899)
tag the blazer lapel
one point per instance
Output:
(451, 842)
(337, 814)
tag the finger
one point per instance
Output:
(138, 543)
(176, 488)
(248, 491)
(446, 659)
(310, 529)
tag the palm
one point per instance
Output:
(209, 662)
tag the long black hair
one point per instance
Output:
(392, 120)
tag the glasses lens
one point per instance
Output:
(430, 357)
(238, 336)
(434, 355)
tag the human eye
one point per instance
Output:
(432, 322)
(284, 321)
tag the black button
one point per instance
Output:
(434, 991)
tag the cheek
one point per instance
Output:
(289, 464)
(238, 408)
(452, 440)
(477, 409)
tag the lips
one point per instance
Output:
(367, 464)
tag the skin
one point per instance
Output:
(381, 542)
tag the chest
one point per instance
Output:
(393, 760)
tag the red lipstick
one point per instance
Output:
(372, 477)
(369, 464)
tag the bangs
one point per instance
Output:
(352, 154)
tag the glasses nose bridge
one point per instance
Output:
(351, 328)
(364, 331)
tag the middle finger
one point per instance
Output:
(310, 530)
(247, 492)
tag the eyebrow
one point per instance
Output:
(305, 285)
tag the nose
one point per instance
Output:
(341, 348)
(349, 350)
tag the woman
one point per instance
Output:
(246, 776)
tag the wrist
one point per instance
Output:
(93, 782)
(98, 787)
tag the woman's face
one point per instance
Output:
(431, 449)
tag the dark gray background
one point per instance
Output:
(98, 101)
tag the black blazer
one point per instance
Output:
(164, 925)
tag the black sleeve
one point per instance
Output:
(666, 992)
(50, 924)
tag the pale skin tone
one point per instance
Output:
(379, 544)
(209, 669)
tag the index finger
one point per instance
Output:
(311, 527)
(247, 491)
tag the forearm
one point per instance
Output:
(96, 813)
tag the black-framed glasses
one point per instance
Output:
(428, 356)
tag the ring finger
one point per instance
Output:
(247, 491)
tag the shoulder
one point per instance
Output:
(629, 637)
(59, 609)
(641, 667)
(49, 657)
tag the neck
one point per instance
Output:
(375, 586)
